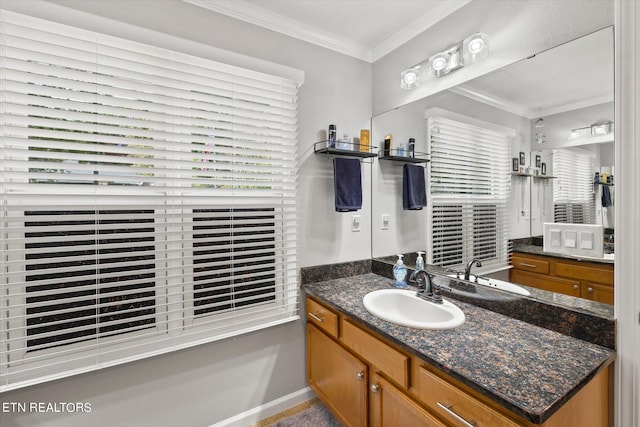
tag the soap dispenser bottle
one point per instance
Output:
(420, 261)
(400, 274)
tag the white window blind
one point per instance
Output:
(148, 201)
(469, 183)
(573, 195)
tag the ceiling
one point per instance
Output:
(365, 29)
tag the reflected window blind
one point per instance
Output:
(573, 195)
(469, 182)
(148, 201)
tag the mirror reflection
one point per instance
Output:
(486, 197)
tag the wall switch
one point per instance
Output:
(385, 221)
(570, 238)
(586, 240)
(555, 238)
(355, 223)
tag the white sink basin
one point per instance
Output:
(498, 284)
(403, 307)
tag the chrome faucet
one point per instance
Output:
(467, 270)
(426, 289)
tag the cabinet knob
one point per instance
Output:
(360, 376)
(576, 287)
(375, 388)
(589, 289)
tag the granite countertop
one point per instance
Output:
(538, 250)
(529, 370)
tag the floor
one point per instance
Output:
(311, 413)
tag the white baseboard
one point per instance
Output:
(268, 409)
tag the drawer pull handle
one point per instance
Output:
(576, 287)
(589, 289)
(319, 319)
(464, 422)
(524, 264)
(375, 388)
(360, 376)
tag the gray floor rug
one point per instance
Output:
(315, 416)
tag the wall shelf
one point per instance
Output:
(395, 156)
(322, 147)
(532, 175)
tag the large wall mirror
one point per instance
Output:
(557, 108)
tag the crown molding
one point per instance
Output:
(416, 27)
(262, 17)
(528, 113)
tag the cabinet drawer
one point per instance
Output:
(581, 272)
(448, 402)
(530, 264)
(388, 360)
(547, 283)
(322, 317)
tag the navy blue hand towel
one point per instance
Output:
(348, 184)
(606, 197)
(414, 193)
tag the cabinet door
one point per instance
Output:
(597, 292)
(338, 378)
(547, 283)
(390, 407)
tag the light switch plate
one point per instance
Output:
(385, 221)
(355, 223)
(555, 238)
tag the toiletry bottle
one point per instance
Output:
(400, 274)
(412, 147)
(364, 140)
(386, 151)
(331, 136)
(420, 261)
(344, 143)
(400, 151)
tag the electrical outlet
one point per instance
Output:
(355, 223)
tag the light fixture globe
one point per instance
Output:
(410, 78)
(475, 46)
(438, 64)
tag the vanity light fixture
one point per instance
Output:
(601, 128)
(410, 78)
(597, 129)
(471, 49)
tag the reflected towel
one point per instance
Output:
(606, 197)
(414, 194)
(348, 184)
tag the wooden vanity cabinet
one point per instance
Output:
(590, 280)
(365, 380)
(337, 377)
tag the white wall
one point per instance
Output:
(211, 383)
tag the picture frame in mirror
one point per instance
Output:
(522, 158)
(543, 169)
(538, 160)
(515, 164)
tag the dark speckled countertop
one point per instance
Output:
(529, 370)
